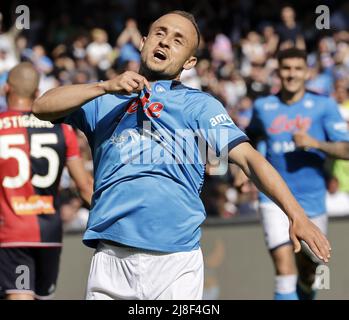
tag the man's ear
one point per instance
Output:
(6, 88)
(36, 93)
(278, 72)
(190, 63)
(142, 43)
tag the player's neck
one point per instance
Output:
(19, 104)
(292, 97)
(290, 24)
(151, 77)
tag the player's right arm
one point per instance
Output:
(59, 102)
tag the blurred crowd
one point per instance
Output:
(73, 42)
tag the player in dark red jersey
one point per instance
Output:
(33, 154)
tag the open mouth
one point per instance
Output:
(160, 55)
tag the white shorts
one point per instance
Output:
(124, 273)
(276, 225)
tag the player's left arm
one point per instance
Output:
(267, 179)
(81, 177)
(222, 135)
(336, 130)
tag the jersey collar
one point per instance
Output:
(166, 85)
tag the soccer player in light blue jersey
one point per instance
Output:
(146, 131)
(299, 129)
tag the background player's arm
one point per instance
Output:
(59, 102)
(82, 179)
(338, 150)
(336, 131)
(270, 182)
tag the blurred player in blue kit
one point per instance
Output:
(146, 214)
(299, 129)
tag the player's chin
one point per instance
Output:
(160, 73)
(158, 66)
(293, 88)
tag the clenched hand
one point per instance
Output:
(126, 83)
(303, 140)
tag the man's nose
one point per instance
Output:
(292, 73)
(165, 41)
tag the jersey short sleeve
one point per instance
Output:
(335, 127)
(84, 118)
(217, 128)
(71, 141)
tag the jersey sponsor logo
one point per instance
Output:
(152, 110)
(283, 124)
(271, 106)
(33, 205)
(23, 121)
(283, 146)
(133, 106)
(340, 126)
(219, 119)
(308, 104)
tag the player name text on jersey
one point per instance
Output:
(23, 121)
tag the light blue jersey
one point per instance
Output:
(303, 171)
(148, 177)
